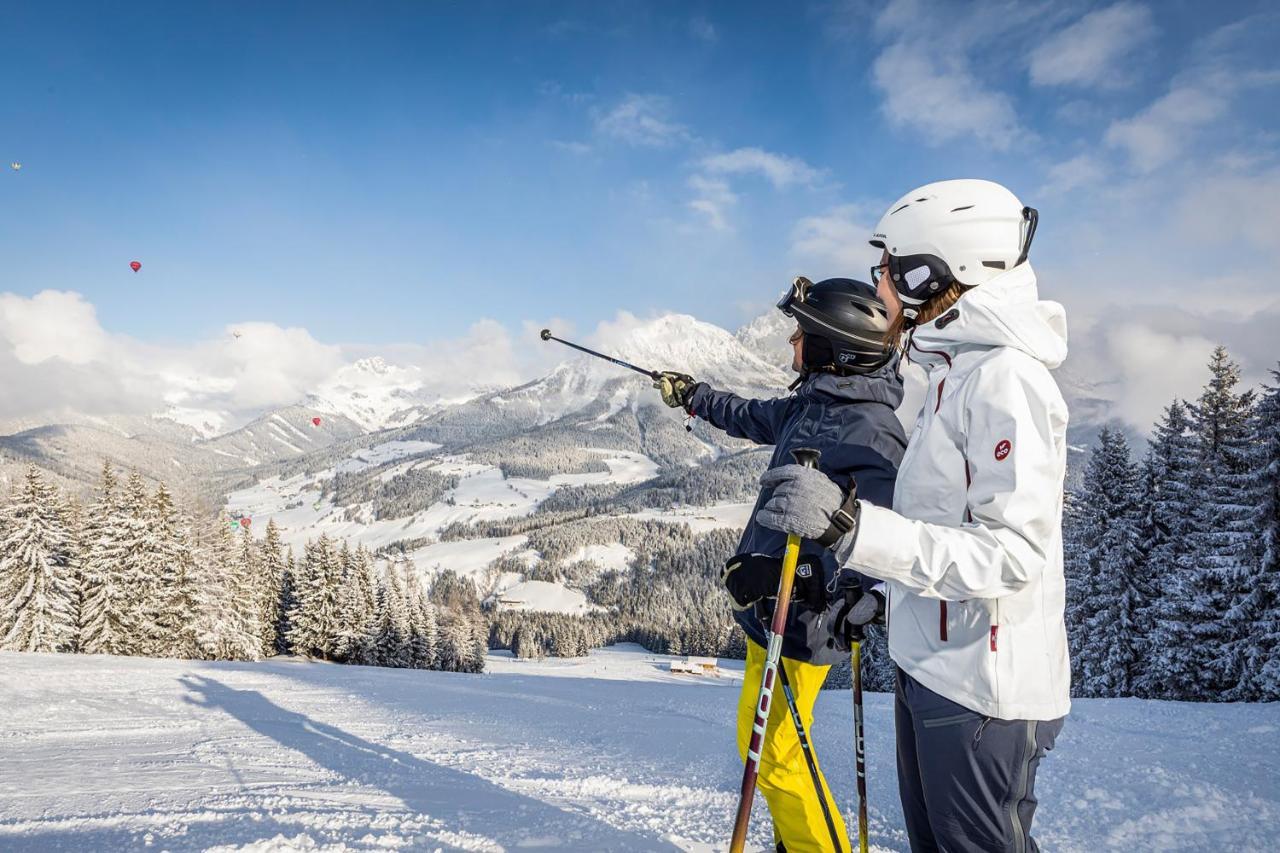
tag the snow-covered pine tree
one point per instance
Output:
(315, 621)
(1079, 569)
(37, 571)
(223, 632)
(1258, 613)
(1105, 640)
(272, 565)
(355, 613)
(1222, 536)
(424, 632)
(288, 602)
(457, 643)
(1170, 500)
(251, 590)
(175, 606)
(137, 569)
(104, 608)
(478, 645)
(75, 533)
(393, 638)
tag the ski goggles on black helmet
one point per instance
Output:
(798, 290)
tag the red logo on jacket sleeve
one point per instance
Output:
(1003, 449)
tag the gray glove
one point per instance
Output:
(847, 617)
(805, 503)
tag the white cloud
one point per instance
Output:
(781, 170)
(1160, 132)
(1090, 51)
(1081, 170)
(56, 359)
(834, 244)
(935, 95)
(1154, 368)
(572, 147)
(1234, 211)
(642, 120)
(1204, 96)
(703, 30)
(51, 325)
(714, 198)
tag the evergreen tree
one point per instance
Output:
(250, 592)
(1105, 637)
(106, 608)
(288, 603)
(393, 637)
(136, 569)
(272, 566)
(1257, 617)
(457, 643)
(1222, 535)
(37, 572)
(175, 605)
(357, 607)
(1169, 501)
(224, 632)
(75, 533)
(423, 631)
(315, 620)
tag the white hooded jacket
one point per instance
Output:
(972, 550)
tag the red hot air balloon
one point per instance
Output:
(315, 422)
(245, 522)
(135, 266)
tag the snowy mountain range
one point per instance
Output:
(373, 398)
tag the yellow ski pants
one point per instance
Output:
(784, 775)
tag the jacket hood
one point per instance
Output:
(1004, 312)
(882, 386)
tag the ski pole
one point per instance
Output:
(808, 757)
(652, 374)
(855, 655)
(751, 769)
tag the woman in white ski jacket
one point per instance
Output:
(971, 553)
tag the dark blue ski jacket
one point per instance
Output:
(851, 421)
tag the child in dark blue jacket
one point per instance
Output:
(843, 406)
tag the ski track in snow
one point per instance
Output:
(606, 753)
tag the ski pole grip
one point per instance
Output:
(806, 456)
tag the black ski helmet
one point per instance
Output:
(844, 324)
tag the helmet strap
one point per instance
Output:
(1031, 218)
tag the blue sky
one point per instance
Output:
(387, 173)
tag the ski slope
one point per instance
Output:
(606, 753)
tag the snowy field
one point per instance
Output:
(608, 753)
(482, 494)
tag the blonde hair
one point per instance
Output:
(933, 308)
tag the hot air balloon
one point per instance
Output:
(15, 166)
(315, 422)
(245, 522)
(135, 265)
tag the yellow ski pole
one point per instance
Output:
(751, 770)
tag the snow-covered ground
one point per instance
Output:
(483, 493)
(607, 753)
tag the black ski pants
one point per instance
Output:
(967, 781)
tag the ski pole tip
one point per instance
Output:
(546, 334)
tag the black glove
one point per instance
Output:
(751, 577)
(848, 616)
(676, 388)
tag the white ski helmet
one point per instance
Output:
(965, 230)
